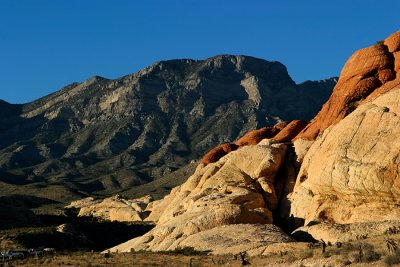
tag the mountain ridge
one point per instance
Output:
(104, 136)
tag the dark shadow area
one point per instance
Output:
(88, 235)
(284, 184)
(85, 233)
(302, 236)
(13, 179)
(26, 201)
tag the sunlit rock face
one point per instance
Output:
(351, 173)
(234, 196)
(368, 73)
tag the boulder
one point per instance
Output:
(290, 131)
(351, 173)
(254, 137)
(218, 152)
(238, 189)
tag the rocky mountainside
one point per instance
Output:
(338, 180)
(107, 136)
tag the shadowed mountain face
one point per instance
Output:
(106, 136)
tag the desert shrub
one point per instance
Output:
(307, 254)
(187, 251)
(291, 258)
(327, 254)
(392, 230)
(380, 42)
(364, 253)
(393, 259)
(347, 247)
(369, 254)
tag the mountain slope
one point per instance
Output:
(105, 136)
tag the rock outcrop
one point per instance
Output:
(367, 74)
(238, 189)
(106, 136)
(114, 208)
(332, 232)
(254, 137)
(230, 239)
(351, 173)
(218, 152)
(280, 132)
(290, 131)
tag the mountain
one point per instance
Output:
(337, 181)
(106, 136)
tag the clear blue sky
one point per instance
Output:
(47, 44)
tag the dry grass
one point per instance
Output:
(373, 253)
(127, 259)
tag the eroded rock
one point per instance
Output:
(331, 232)
(351, 173)
(238, 189)
(114, 208)
(368, 73)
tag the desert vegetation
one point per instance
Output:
(377, 251)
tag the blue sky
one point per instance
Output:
(47, 44)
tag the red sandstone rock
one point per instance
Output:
(280, 125)
(250, 138)
(290, 131)
(218, 152)
(367, 74)
(255, 136)
(393, 42)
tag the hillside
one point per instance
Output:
(106, 136)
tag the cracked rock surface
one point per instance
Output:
(351, 173)
(238, 189)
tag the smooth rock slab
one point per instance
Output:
(229, 239)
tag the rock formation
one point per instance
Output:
(334, 232)
(238, 189)
(351, 173)
(290, 131)
(108, 136)
(114, 208)
(368, 73)
(280, 132)
(254, 137)
(218, 152)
